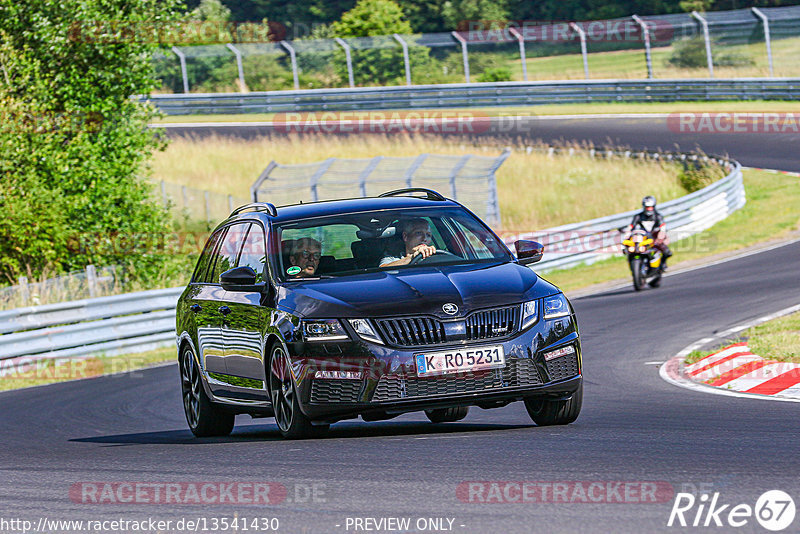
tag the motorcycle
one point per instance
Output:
(644, 259)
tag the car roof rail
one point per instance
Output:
(432, 195)
(256, 206)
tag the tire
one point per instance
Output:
(291, 421)
(636, 272)
(655, 282)
(205, 419)
(546, 412)
(447, 415)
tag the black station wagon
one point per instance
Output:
(370, 307)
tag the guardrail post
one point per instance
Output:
(238, 54)
(91, 280)
(406, 62)
(24, 290)
(230, 203)
(293, 58)
(493, 204)
(582, 35)
(183, 194)
(521, 40)
(362, 178)
(182, 59)
(760, 14)
(409, 175)
(208, 211)
(464, 54)
(707, 38)
(316, 177)
(348, 59)
(454, 173)
(164, 194)
(261, 178)
(646, 34)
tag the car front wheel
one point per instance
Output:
(205, 419)
(292, 423)
(545, 412)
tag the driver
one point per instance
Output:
(416, 238)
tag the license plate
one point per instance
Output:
(460, 360)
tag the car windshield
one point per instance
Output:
(356, 243)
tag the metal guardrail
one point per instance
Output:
(480, 94)
(136, 322)
(132, 322)
(588, 241)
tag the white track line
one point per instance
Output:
(672, 370)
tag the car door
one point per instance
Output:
(204, 300)
(246, 323)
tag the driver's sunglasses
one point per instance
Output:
(313, 255)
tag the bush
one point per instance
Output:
(691, 54)
(495, 74)
(695, 176)
(73, 143)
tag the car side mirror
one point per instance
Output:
(240, 279)
(528, 251)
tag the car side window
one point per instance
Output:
(228, 251)
(206, 257)
(254, 251)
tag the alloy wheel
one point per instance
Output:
(190, 388)
(281, 388)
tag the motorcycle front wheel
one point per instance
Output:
(636, 271)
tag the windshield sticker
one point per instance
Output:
(291, 271)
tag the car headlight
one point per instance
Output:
(323, 330)
(556, 306)
(364, 330)
(529, 314)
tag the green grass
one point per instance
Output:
(542, 110)
(65, 369)
(777, 340)
(770, 213)
(630, 64)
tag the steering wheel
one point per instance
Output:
(443, 256)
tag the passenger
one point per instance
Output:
(416, 234)
(306, 254)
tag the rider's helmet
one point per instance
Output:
(648, 206)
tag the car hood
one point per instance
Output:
(421, 290)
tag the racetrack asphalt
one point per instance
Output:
(751, 149)
(634, 427)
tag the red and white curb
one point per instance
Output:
(735, 371)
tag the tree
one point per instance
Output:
(74, 145)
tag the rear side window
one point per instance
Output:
(254, 252)
(205, 258)
(228, 251)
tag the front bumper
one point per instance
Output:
(389, 382)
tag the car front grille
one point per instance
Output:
(335, 391)
(412, 331)
(563, 367)
(487, 324)
(518, 372)
(424, 331)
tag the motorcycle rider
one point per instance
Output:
(651, 221)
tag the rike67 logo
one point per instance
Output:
(774, 510)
